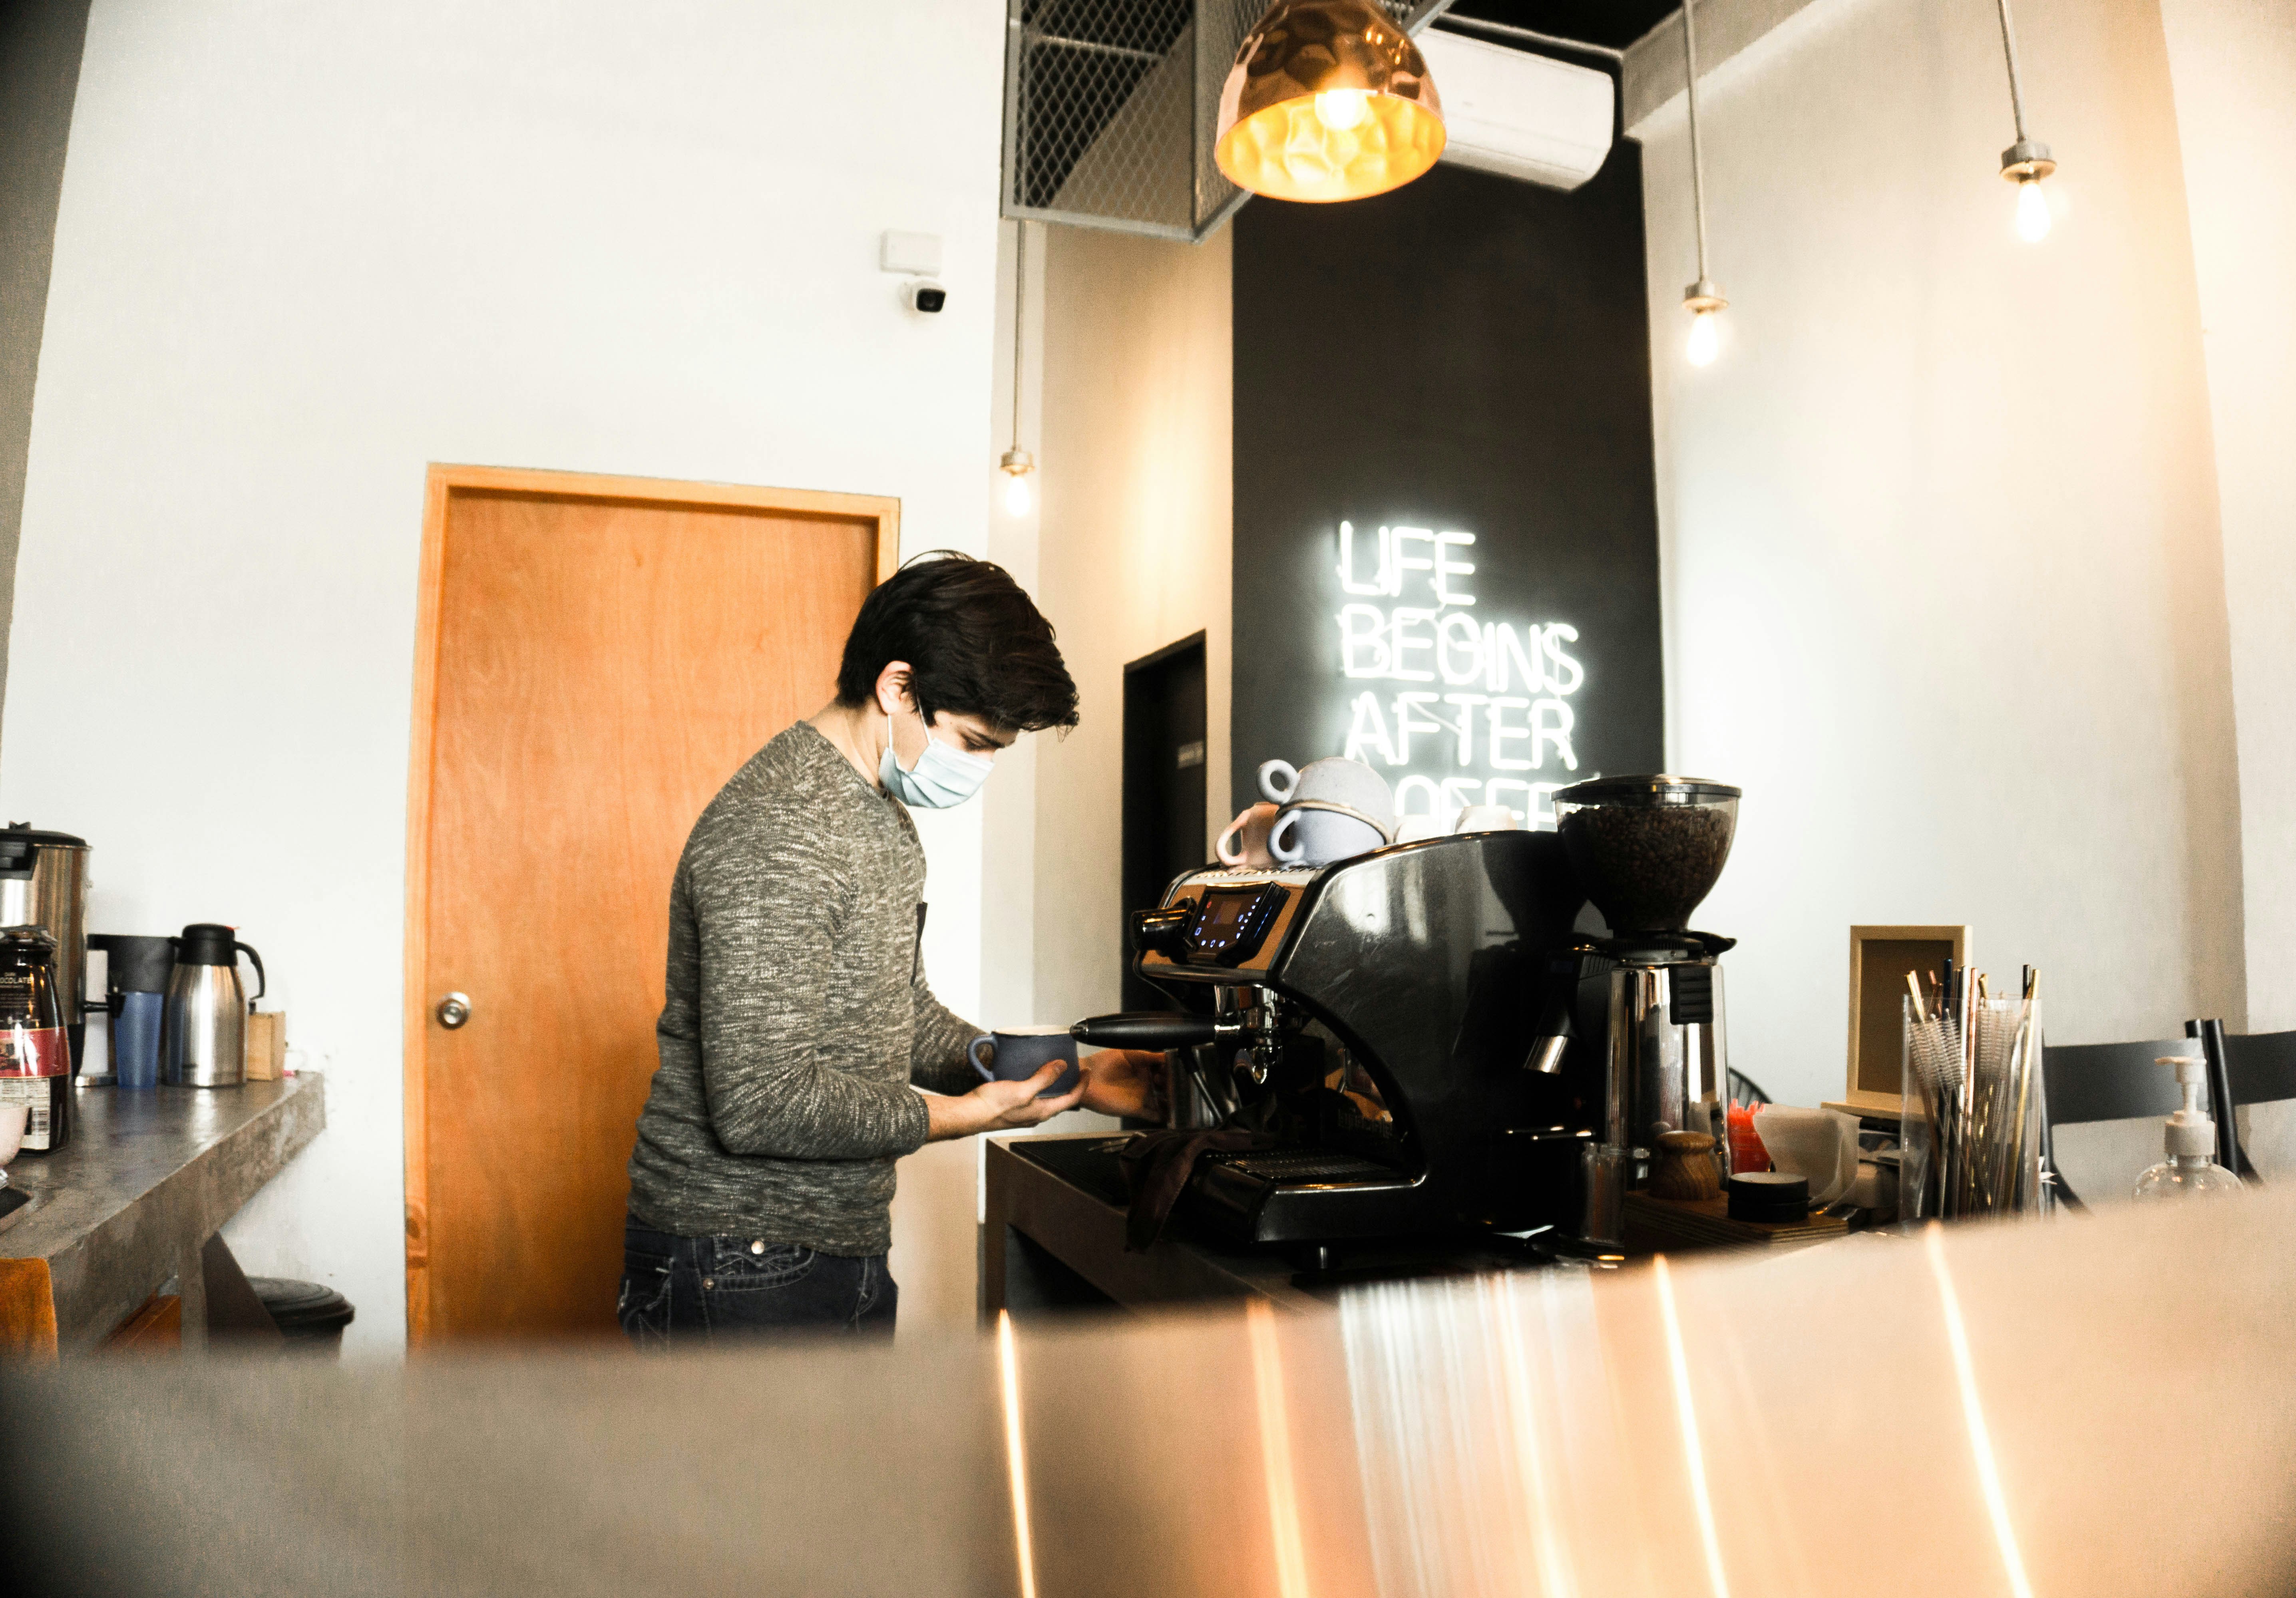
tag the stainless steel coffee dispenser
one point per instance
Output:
(1647, 849)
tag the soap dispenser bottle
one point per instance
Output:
(2191, 1138)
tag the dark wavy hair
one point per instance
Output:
(975, 643)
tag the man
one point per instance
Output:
(797, 1014)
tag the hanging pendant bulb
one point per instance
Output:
(2028, 162)
(1704, 298)
(1705, 338)
(1704, 301)
(2025, 163)
(1328, 100)
(1017, 465)
(2032, 211)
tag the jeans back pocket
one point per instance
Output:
(745, 1265)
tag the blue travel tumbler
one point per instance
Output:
(136, 990)
(135, 1039)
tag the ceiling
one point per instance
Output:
(1612, 24)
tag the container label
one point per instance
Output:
(32, 1093)
(34, 1051)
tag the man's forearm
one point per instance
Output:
(947, 1118)
(808, 1113)
(938, 1037)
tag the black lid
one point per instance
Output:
(138, 964)
(302, 1306)
(1657, 789)
(207, 943)
(20, 846)
(1769, 1196)
(26, 832)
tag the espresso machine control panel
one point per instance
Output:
(1225, 926)
(1223, 920)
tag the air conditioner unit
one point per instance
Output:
(1519, 115)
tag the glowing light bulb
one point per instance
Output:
(2032, 211)
(1016, 493)
(1705, 338)
(1339, 110)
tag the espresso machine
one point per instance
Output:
(1647, 849)
(1370, 1022)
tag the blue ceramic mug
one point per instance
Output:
(1016, 1053)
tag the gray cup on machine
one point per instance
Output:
(1016, 1053)
(1331, 809)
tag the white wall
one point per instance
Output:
(1940, 526)
(2233, 63)
(1134, 554)
(304, 249)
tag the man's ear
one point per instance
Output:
(893, 688)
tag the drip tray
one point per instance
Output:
(1087, 1163)
(1286, 1168)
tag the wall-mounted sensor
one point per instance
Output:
(913, 254)
(925, 296)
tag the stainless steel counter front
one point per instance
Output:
(148, 1178)
(2098, 1405)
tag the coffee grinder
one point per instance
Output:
(1647, 849)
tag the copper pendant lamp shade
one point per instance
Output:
(1328, 100)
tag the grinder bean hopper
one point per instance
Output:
(1647, 849)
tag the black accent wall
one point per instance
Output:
(1465, 354)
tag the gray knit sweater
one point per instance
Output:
(796, 1013)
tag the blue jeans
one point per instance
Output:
(699, 1290)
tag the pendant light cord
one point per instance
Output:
(1020, 296)
(2016, 89)
(1697, 163)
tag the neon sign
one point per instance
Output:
(1484, 710)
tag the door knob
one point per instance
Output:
(453, 1009)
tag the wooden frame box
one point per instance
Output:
(1879, 959)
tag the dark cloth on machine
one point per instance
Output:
(1157, 1165)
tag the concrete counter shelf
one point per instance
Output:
(137, 1198)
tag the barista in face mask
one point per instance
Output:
(802, 1049)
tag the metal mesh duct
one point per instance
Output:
(1110, 107)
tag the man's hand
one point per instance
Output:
(1000, 1106)
(1123, 1082)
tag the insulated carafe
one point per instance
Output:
(204, 1034)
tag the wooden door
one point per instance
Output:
(597, 655)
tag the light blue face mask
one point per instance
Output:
(943, 776)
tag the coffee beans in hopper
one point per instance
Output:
(1647, 866)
